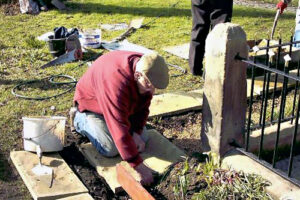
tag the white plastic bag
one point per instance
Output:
(29, 7)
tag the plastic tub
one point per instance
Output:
(90, 38)
(48, 132)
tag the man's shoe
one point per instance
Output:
(72, 113)
(203, 75)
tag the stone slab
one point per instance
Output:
(259, 81)
(175, 103)
(65, 182)
(279, 188)
(78, 197)
(285, 137)
(181, 51)
(158, 155)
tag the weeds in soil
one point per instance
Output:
(234, 185)
(220, 183)
(181, 186)
(288, 111)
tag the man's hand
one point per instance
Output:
(139, 142)
(146, 174)
(281, 6)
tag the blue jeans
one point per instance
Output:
(94, 127)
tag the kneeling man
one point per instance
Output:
(113, 99)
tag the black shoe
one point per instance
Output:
(197, 73)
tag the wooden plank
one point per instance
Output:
(135, 190)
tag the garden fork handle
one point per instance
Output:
(275, 23)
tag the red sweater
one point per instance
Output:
(108, 88)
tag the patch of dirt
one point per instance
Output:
(177, 129)
(96, 185)
(11, 9)
(183, 130)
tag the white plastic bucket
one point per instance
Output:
(48, 132)
(90, 38)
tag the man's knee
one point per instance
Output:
(110, 151)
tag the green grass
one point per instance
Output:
(293, 3)
(21, 55)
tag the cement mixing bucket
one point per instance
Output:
(48, 132)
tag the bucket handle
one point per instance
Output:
(30, 139)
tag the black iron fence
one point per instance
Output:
(273, 62)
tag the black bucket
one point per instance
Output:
(57, 47)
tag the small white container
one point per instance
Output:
(90, 38)
(48, 132)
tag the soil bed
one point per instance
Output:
(88, 175)
(174, 128)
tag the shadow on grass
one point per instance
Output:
(256, 13)
(10, 82)
(5, 169)
(76, 7)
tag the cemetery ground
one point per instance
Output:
(21, 56)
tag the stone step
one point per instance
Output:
(279, 188)
(158, 155)
(64, 184)
(175, 103)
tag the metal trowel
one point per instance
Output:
(41, 170)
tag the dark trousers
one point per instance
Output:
(206, 14)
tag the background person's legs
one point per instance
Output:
(94, 127)
(200, 29)
(222, 12)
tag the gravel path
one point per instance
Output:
(259, 4)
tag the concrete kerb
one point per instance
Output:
(285, 137)
(279, 188)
